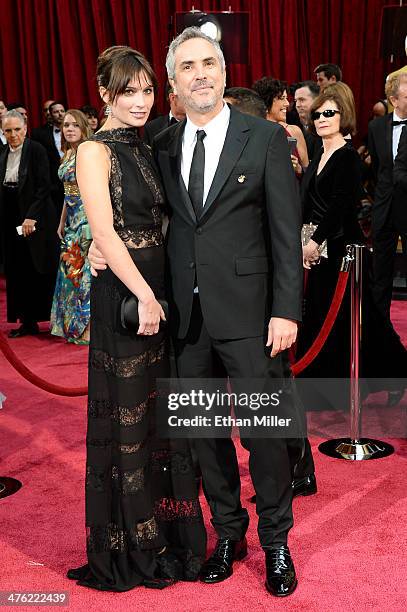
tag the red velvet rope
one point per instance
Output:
(296, 368)
(326, 328)
(33, 378)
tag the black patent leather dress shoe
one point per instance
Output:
(305, 486)
(280, 572)
(301, 486)
(24, 330)
(219, 566)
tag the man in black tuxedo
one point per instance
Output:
(157, 125)
(235, 269)
(383, 141)
(50, 138)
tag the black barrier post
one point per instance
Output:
(355, 448)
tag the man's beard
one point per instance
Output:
(204, 106)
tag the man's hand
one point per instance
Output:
(310, 254)
(282, 334)
(96, 260)
(28, 227)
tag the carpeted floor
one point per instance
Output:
(348, 542)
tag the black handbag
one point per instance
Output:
(129, 313)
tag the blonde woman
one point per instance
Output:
(70, 308)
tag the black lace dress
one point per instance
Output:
(140, 491)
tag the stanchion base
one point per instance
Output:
(356, 450)
(8, 486)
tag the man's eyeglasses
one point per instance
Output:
(326, 113)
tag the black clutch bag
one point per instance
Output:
(129, 313)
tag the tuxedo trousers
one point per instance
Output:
(271, 464)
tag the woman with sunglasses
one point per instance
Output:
(330, 196)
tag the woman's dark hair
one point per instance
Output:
(342, 95)
(118, 65)
(89, 111)
(268, 89)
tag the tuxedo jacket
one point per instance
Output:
(154, 127)
(34, 203)
(400, 184)
(244, 252)
(380, 145)
(45, 136)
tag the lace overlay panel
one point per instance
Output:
(149, 176)
(115, 188)
(141, 238)
(168, 461)
(124, 449)
(101, 538)
(128, 482)
(170, 509)
(123, 415)
(95, 478)
(125, 367)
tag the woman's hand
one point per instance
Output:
(61, 231)
(150, 313)
(310, 254)
(296, 164)
(28, 227)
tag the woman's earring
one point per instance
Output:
(108, 110)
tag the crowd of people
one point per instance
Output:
(228, 179)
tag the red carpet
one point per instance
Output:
(348, 542)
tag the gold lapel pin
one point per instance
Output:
(241, 178)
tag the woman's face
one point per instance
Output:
(132, 107)
(278, 110)
(15, 131)
(71, 130)
(328, 126)
(93, 122)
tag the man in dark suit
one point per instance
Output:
(235, 269)
(383, 140)
(400, 192)
(50, 138)
(157, 125)
(30, 258)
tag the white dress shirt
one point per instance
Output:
(57, 139)
(213, 142)
(397, 129)
(13, 164)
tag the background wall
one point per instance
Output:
(49, 47)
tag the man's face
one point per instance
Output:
(45, 110)
(323, 80)
(303, 102)
(177, 107)
(14, 130)
(3, 110)
(199, 79)
(23, 112)
(57, 113)
(399, 102)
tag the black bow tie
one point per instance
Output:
(404, 122)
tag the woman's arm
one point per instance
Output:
(62, 221)
(92, 173)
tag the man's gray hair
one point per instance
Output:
(189, 34)
(13, 114)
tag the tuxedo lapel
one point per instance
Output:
(22, 170)
(237, 136)
(388, 137)
(175, 154)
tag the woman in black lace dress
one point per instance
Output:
(143, 519)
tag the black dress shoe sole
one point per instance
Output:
(238, 557)
(292, 589)
(305, 493)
